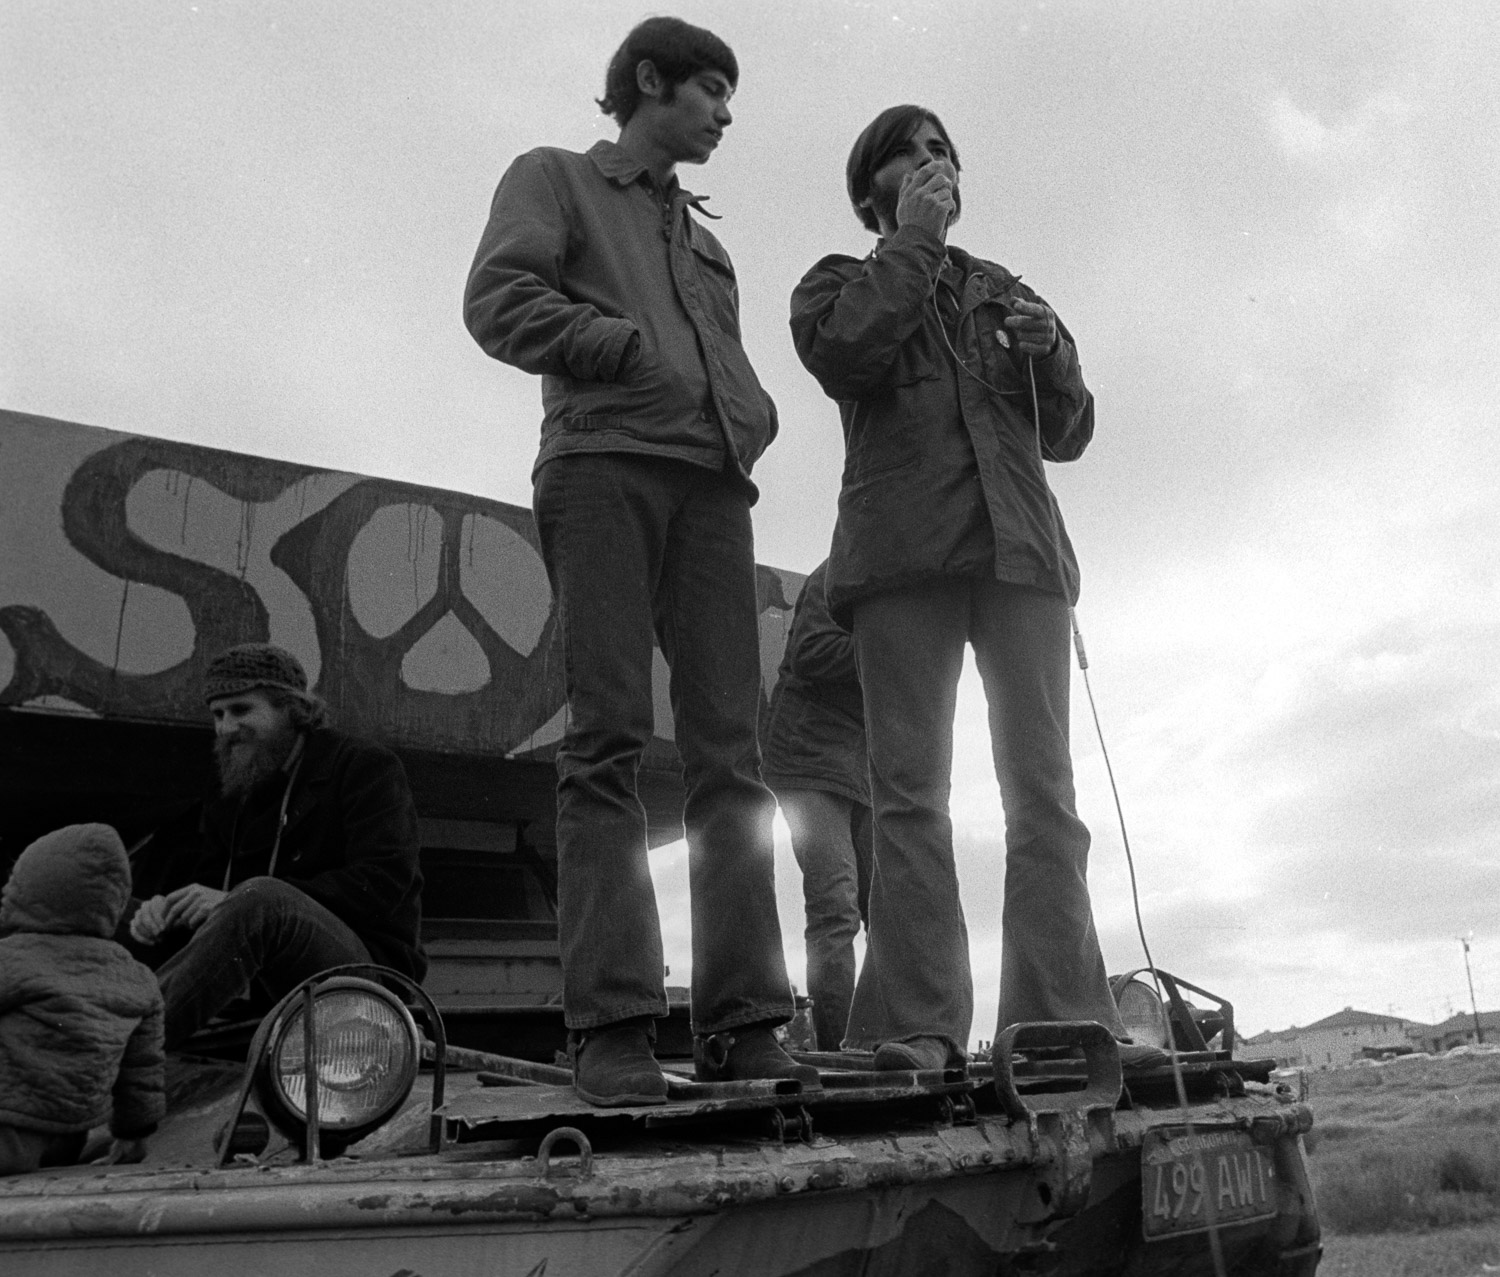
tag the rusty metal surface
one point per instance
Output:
(477, 1183)
(506, 1111)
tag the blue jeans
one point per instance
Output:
(831, 840)
(264, 939)
(916, 980)
(637, 547)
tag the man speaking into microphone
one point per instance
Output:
(955, 382)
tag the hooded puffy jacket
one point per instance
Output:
(80, 1019)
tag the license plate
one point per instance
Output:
(1194, 1180)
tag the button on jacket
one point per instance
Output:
(943, 471)
(581, 256)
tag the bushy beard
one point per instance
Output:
(246, 762)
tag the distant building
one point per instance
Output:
(1334, 1041)
(1456, 1030)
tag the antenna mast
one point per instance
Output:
(1478, 1028)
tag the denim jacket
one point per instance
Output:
(943, 471)
(581, 255)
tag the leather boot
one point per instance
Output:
(1136, 1056)
(613, 1065)
(917, 1055)
(748, 1053)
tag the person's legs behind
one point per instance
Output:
(822, 829)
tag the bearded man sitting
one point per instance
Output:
(306, 860)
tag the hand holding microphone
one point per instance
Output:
(1033, 326)
(926, 198)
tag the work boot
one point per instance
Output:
(746, 1054)
(917, 1055)
(613, 1065)
(1135, 1056)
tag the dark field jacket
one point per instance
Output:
(579, 259)
(930, 451)
(350, 842)
(816, 736)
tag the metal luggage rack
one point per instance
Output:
(518, 1099)
(1055, 1065)
(1205, 1075)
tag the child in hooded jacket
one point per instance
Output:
(80, 1019)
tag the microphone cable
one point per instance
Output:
(1215, 1243)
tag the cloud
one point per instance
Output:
(1327, 815)
(1357, 133)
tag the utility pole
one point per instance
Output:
(1478, 1028)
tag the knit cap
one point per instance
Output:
(252, 665)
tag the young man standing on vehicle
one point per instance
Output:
(955, 382)
(593, 273)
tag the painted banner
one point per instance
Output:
(423, 617)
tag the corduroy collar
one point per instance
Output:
(622, 168)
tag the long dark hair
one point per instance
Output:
(883, 136)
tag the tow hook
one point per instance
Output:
(1064, 1127)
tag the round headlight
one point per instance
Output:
(365, 1055)
(1142, 1011)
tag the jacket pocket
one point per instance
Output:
(999, 364)
(865, 473)
(920, 357)
(720, 290)
(912, 368)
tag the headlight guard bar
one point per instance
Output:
(1187, 1029)
(307, 992)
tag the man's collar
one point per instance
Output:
(623, 169)
(967, 265)
(615, 162)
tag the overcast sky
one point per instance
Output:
(1271, 227)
